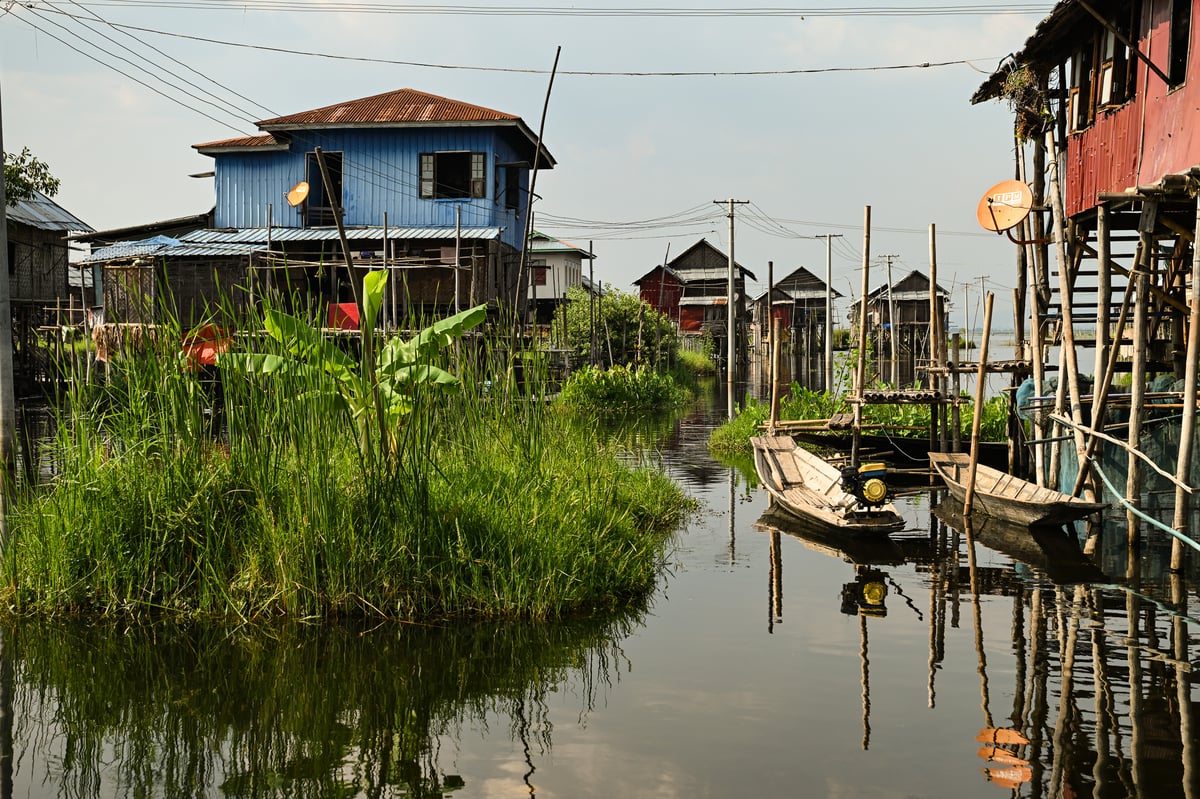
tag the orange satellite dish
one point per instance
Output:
(1004, 206)
(297, 194)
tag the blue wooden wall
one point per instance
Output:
(380, 172)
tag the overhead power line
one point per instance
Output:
(708, 73)
(699, 12)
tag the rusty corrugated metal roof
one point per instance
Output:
(396, 107)
(1042, 49)
(257, 140)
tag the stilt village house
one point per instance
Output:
(798, 301)
(900, 314)
(555, 267)
(1108, 94)
(692, 289)
(44, 285)
(433, 189)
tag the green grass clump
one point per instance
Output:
(734, 436)
(264, 496)
(696, 362)
(622, 389)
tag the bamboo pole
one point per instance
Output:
(1103, 295)
(936, 340)
(776, 348)
(1187, 433)
(860, 373)
(955, 413)
(1065, 287)
(980, 381)
(1133, 481)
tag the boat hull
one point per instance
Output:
(809, 487)
(1006, 497)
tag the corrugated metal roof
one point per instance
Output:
(259, 235)
(1062, 21)
(400, 106)
(44, 214)
(215, 243)
(257, 140)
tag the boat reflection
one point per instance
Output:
(1104, 698)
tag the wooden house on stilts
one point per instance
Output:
(1106, 98)
(799, 301)
(898, 328)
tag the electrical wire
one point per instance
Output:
(1013, 9)
(562, 72)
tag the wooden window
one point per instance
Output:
(512, 187)
(450, 175)
(1181, 34)
(1079, 108)
(539, 272)
(319, 205)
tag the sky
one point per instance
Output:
(805, 115)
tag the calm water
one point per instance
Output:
(764, 666)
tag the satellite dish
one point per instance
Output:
(1004, 206)
(297, 194)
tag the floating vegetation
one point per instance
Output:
(298, 481)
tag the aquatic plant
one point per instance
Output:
(247, 493)
(622, 389)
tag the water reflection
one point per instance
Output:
(1103, 701)
(329, 711)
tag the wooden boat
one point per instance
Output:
(1007, 497)
(808, 486)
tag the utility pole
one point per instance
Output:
(829, 237)
(894, 371)
(731, 316)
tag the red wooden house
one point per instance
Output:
(693, 289)
(1107, 92)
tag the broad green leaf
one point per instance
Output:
(374, 285)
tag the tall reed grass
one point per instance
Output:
(245, 495)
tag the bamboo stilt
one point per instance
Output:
(955, 414)
(776, 347)
(1133, 482)
(976, 419)
(1065, 283)
(1187, 432)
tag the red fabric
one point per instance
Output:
(343, 316)
(203, 344)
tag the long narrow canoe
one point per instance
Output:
(1007, 497)
(808, 486)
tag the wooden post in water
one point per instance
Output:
(1187, 431)
(956, 382)
(776, 331)
(1065, 287)
(935, 342)
(976, 418)
(860, 373)
(1137, 389)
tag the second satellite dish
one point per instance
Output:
(297, 194)
(1004, 206)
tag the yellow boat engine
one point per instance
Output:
(867, 483)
